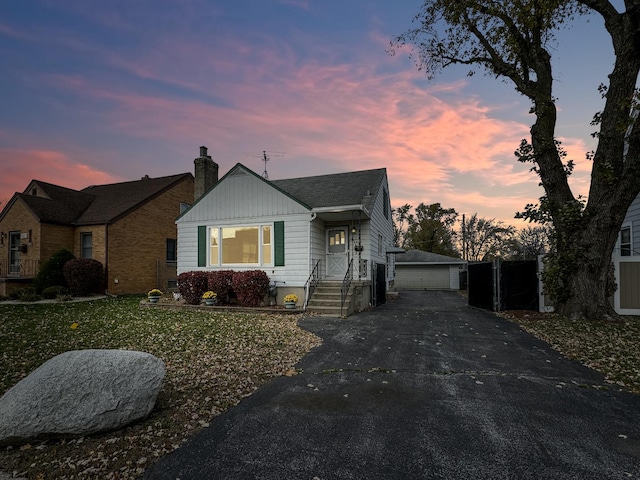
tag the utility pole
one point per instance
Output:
(464, 239)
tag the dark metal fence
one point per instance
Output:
(503, 285)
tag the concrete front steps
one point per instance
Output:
(326, 300)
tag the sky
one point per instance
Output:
(112, 90)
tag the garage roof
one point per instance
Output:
(416, 257)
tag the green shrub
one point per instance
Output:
(51, 273)
(54, 291)
(192, 285)
(221, 282)
(250, 287)
(83, 275)
(27, 294)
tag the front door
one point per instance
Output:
(337, 252)
(14, 253)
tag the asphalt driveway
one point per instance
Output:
(422, 387)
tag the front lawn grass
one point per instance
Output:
(612, 348)
(213, 360)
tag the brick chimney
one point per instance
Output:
(206, 173)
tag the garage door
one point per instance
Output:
(417, 277)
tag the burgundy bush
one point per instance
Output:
(192, 285)
(83, 275)
(250, 287)
(221, 282)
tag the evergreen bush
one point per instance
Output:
(51, 273)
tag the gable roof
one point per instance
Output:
(116, 199)
(338, 189)
(92, 205)
(59, 205)
(420, 256)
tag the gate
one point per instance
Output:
(378, 284)
(519, 285)
(503, 285)
(480, 285)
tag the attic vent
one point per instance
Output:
(34, 191)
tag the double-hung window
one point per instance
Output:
(625, 242)
(86, 245)
(241, 245)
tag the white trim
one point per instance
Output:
(617, 260)
(541, 305)
(259, 226)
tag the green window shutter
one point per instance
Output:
(202, 246)
(278, 243)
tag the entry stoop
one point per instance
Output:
(326, 300)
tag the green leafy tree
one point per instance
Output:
(485, 239)
(432, 229)
(513, 41)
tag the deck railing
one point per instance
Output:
(312, 283)
(22, 268)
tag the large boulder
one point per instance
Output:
(79, 393)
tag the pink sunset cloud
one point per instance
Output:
(438, 143)
(21, 166)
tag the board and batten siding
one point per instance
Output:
(242, 195)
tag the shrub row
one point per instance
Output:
(248, 288)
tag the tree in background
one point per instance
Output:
(530, 242)
(513, 40)
(401, 218)
(431, 229)
(485, 239)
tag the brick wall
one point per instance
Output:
(20, 219)
(138, 241)
(54, 238)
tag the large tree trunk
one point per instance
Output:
(590, 281)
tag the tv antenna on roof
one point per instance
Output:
(265, 159)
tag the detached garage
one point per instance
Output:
(418, 270)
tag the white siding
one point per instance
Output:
(633, 218)
(318, 244)
(381, 226)
(242, 198)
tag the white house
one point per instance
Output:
(301, 231)
(626, 259)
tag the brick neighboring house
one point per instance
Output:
(129, 227)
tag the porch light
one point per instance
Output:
(354, 230)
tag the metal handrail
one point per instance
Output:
(312, 283)
(346, 284)
(23, 268)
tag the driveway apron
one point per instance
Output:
(421, 387)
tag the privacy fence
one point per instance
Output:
(517, 285)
